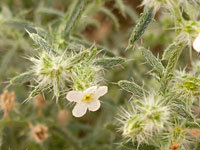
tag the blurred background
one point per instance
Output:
(109, 24)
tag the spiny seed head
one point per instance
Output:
(144, 120)
(179, 137)
(50, 71)
(187, 84)
(188, 31)
(134, 128)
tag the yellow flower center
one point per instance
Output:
(87, 98)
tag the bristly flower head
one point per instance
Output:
(179, 138)
(85, 75)
(50, 71)
(188, 31)
(187, 85)
(144, 120)
(88, 99)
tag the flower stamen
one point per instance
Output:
(87, 98)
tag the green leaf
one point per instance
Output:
(173, 61)
(152, 60)
(132, 88)
(22, 78)
(168, 74)
(72, 16)
(78, 57)
(109, 62)
(84, 43)
(50, 11)
(41, 42)
(141, 26)
(169, 51)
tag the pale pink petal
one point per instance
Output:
(94, 105)
(102, 90)
(79, 110)
(74, 96)
(196, 44)
(90, 90)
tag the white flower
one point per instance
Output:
(196, 43)
(88, 99)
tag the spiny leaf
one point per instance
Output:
(173, 61)
(34, 93)
(152, 60)
(40, 41)
(78, 57)
(132, 88)
(93, 54)
(87, 44)
(109, 62)
(169, 51)
(141, 26)
(72, 16)
(170, 67)
(22, 78)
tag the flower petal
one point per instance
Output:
(94, 105)
(79, 110)
(102, 90)
(196, 43)
(74, 96)
(91, 89)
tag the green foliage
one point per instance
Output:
(109, 62)
(132, 87)
(141, 26)
(152, 60)
(76, 52)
